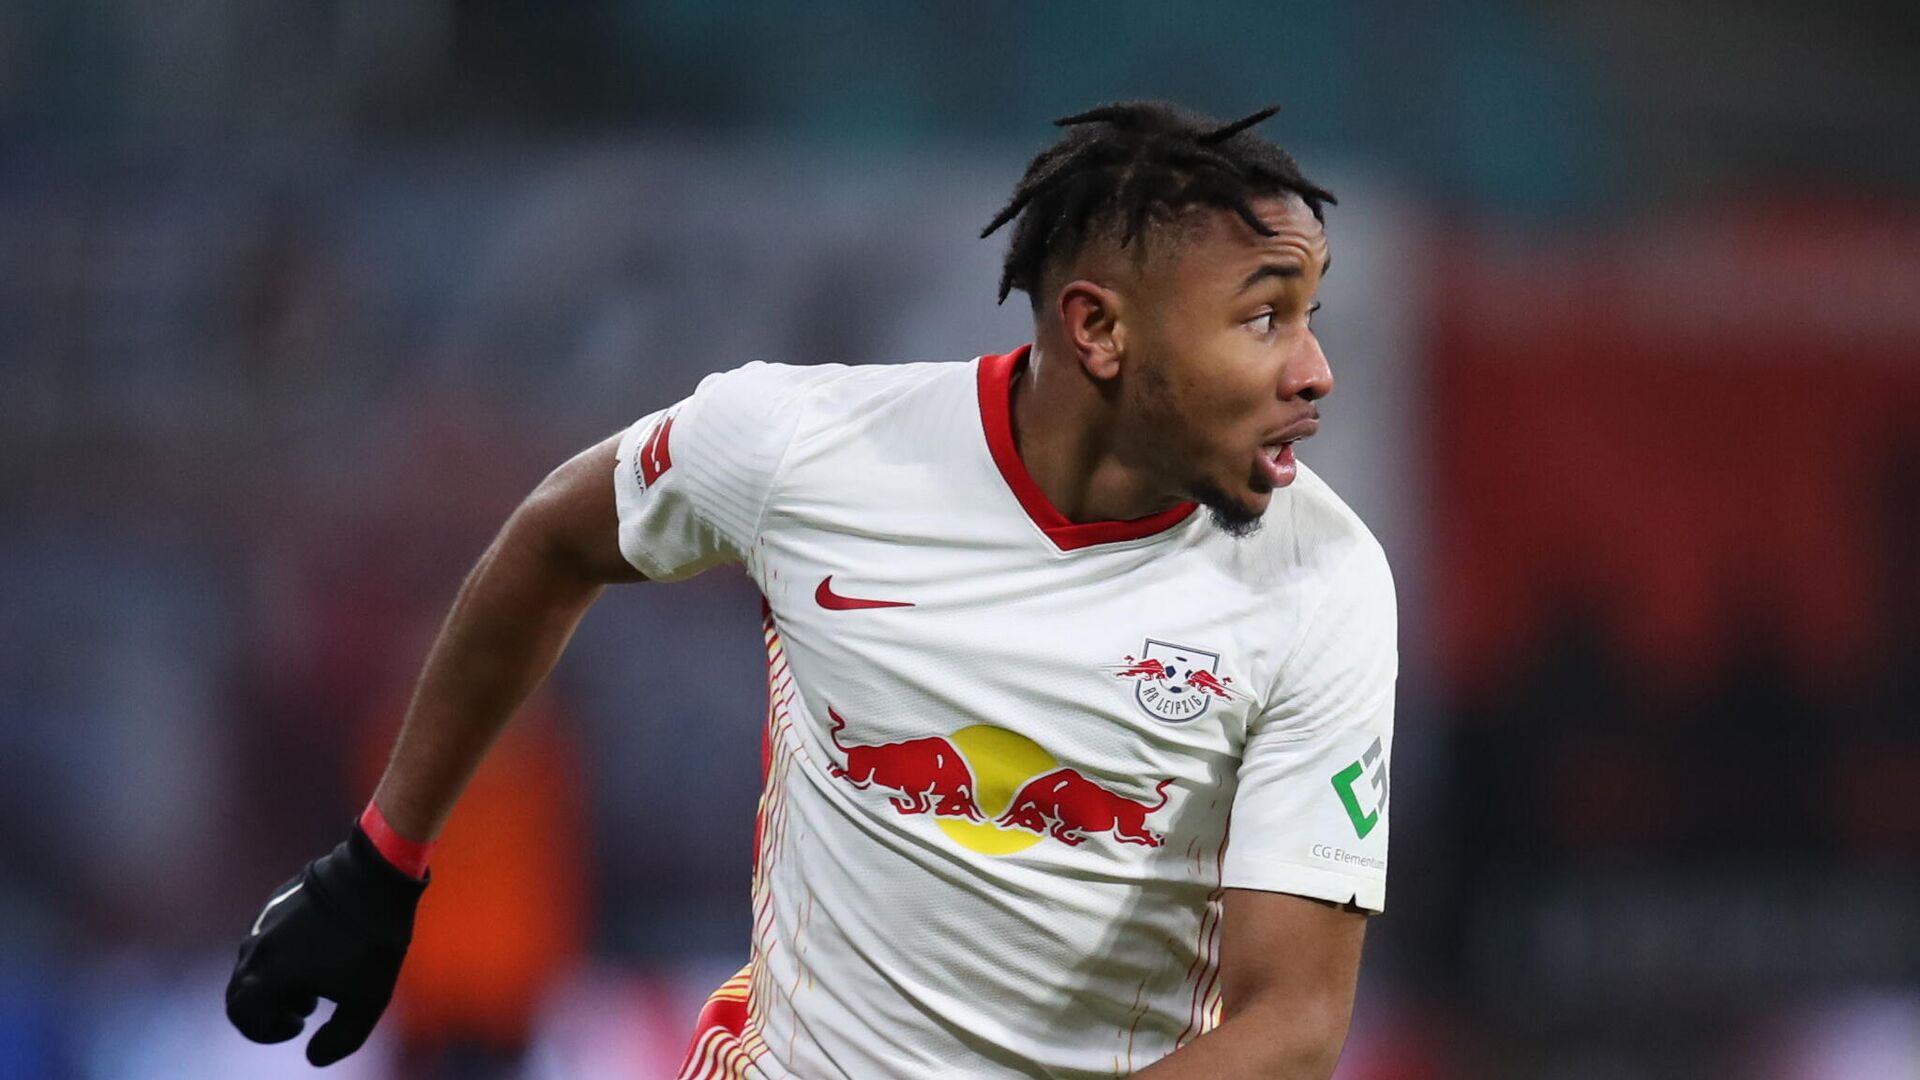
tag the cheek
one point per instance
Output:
(1237, 389)
(1206, 419)
(1173, 414)
(1204, 402)
(1161, 409)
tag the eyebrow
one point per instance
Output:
(1278, 270)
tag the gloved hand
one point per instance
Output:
(339, 931)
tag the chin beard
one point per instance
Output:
(1232, 518)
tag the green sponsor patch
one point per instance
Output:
(1373, 765)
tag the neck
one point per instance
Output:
(1066, 431)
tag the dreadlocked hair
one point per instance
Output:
(1123, 166)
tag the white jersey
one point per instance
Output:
(1003, 750)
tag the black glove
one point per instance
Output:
(338, 931)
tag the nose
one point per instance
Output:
(1306, 375)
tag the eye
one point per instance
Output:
(1311, 308)
(1261, 324)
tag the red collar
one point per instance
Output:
(996, 416)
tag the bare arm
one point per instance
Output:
(1289, 966)
(514, 614)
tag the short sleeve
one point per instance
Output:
(1310, 814)
(691, 481)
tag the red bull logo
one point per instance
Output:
(995, 791)
(1175, 683)
(1204, 681)
(1069, 807)
(925, 775)
(1143, 669)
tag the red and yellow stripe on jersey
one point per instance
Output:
(726, 1038)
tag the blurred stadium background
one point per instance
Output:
(296, 300)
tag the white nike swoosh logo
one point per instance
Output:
(270, 906)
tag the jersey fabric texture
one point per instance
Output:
(1012, 762)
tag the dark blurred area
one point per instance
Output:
(297, 300)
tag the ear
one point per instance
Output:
(1090, 316)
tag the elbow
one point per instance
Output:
(1316, 1061)
(1312, 1054)
(1296, 1040)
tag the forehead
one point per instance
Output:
(1223, 247)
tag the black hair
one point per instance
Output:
(1128, 164)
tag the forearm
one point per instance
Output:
(1267, 1043)
(513, 617)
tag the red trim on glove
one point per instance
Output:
(407, 856)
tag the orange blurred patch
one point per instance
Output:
(508, 911)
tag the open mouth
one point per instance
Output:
(1274, 463)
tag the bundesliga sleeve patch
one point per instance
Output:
(654, 457)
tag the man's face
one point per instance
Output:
(1223, 367)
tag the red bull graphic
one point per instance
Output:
(1204, 681)
(995, 791)
(1069, 807)
(925, 775)
(1142, 669)
(1176, 683)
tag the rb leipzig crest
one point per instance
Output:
(1175, 683)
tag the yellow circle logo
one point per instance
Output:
(1001, 762)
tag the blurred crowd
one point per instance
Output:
(294, 306)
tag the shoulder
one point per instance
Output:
(761, 387)
(1312, 542)
(1334, 541)
(1350, 619)
(1329, 595)
(815, 393)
